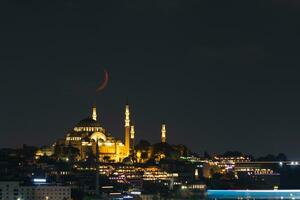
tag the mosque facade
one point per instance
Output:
(90, 138)
(87, 132)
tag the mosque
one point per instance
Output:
(87, 132)
(88, 136)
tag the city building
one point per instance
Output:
(85, 135)
(12, 190)
(88, 131)
(80, 143)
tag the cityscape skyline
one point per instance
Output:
(158, 99)
(218, 81)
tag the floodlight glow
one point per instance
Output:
(136, 192)
(127, 197)
(107, 187)
(39, 180)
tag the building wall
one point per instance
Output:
(9, 190)
(15, 191)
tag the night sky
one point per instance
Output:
(223, 75)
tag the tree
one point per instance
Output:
(106, 158)
(268, 157)
(58, 150)
(143, 144)
(206, 155)
(281, 157)
(232, 154)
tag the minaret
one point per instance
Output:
(132, 132)
(127, 129)
(163, 133)
(196, 174)
(94, 112)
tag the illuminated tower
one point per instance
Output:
(94, 112)
(163, 133)
(196, 174)
(132, 132)
(127, 129)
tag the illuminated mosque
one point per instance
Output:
(89, 139)
(85, 134)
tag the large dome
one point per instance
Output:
(88, 122)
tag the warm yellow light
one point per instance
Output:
(127, 119)
(132, 132)
(94, 114)
(163, 133)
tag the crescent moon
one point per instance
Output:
(104, 83)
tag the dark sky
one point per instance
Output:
(223, 75)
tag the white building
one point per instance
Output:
(10, 190)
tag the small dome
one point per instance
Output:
(99, 136)
(73, 134)
(88, 122)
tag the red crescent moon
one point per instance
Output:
(104, 83)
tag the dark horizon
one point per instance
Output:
(222, 75)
